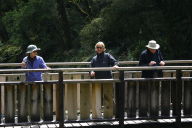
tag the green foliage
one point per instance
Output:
(125, 26)
(91, 34)
(9, 53)
(34, 23)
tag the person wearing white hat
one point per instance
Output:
(33, 61)
(151, 57)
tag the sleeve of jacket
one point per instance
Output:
(42, 64)
(92, 64)
(160, 56)
(112, 60)
(143, 60)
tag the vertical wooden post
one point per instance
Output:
(35, 102)
(85, 99)
(2, 79)
(54, 76)
(165, 98)
(58, 96)
(71, 104)
(9, 104)
(61, 103)
(0, 101)
(131, 98)
(143, 98)
(187, 100)
(47, 98)
(48, 102)
(96, 100)
(121, 99)
(108, 100)
(178, 98)
(22, 103)
(9, 100)
(154, 104)
(165, 95)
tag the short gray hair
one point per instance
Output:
(100, 43)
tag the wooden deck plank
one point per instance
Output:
(138, 121)
(43, 126)
(51, 126)
(91, 123)
(68, 125)
(130, 122)
(76, 124)
(115, 123)
(84, 124)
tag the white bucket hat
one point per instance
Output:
(32, 48)
(153, 45)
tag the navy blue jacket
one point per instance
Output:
(145, 58)
(103, 60)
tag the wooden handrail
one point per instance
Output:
(87, 63)
(135, 68)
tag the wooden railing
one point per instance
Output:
(71, 96)
(169, 62)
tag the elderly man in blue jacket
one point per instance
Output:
(102, 59)
(151, 57)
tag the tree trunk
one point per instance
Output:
(65, 24)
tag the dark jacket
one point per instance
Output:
(145, 58)
(103, 60)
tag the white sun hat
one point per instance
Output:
(153, 45)
(32, 48)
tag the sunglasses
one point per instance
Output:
(99, 47)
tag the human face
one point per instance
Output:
(152, 50)
(99, 49)
(33, 54)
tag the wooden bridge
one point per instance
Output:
(69, 98)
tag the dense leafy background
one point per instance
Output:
(67, 30)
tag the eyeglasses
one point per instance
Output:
(99, 47)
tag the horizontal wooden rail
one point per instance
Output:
(87, 63)
(65, 81)
(136, 68)
(94, 80)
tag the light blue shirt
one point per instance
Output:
(38, 63)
